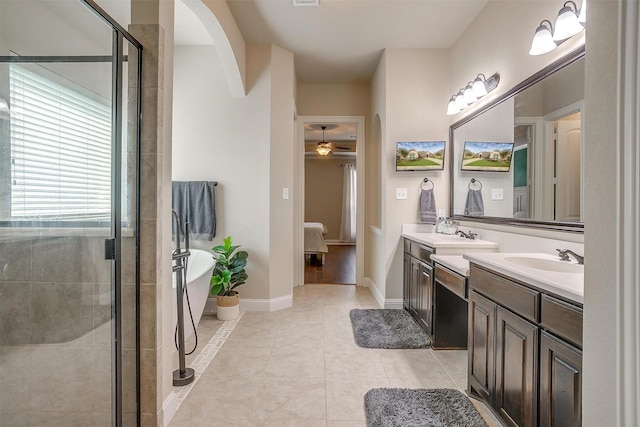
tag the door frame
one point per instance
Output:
(299, 178)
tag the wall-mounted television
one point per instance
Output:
(420, 155)
(487, 156)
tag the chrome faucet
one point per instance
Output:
(564, 255)
(470, 235)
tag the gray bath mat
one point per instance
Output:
(387, 328)
(401, 407)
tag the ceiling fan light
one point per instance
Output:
(452, 107)
(479, 89)
(567, 24)
(542, 40)
(323, 150)
(4, 105)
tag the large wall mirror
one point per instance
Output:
(519, 160)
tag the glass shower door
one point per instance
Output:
(69, 115)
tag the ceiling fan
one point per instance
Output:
(324, 147)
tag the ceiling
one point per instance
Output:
(340, 40)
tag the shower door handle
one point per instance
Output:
(109, 248)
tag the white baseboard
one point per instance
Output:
(393, 303)
(339, 243)
(169, 408)
(385, 303)
(250, 304)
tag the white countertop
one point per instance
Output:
(453, 262)
(567, 285)
(449, 241)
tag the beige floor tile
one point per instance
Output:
(346, 423)
(437, 380)
(360, 363)
(250, 337)
(410, 363)
(345, 396)
(296, 363)
(452, 360)
(486, 413)
(288, 423)
(287, 399)
(215, 398)
(235, 361)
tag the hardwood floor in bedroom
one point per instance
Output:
(339, 267)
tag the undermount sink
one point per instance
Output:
(546, 264)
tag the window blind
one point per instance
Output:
(60, 151)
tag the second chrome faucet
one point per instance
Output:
(564, 255)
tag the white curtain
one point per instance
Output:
(348, 223)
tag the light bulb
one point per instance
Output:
(469, 98)
(460, 101)
(542, 40)
(567, 24)
(452, 108)
(479, 89)
(583, 12)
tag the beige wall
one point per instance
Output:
(414, 83)
(323, 193)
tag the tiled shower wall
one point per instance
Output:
(56, 331)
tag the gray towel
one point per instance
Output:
(474, 205)
(427, 206)
(195, 203)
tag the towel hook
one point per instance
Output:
(425, 181)
(475, 181)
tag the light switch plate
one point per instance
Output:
(401, 194)
(497, 194)
(285, 193)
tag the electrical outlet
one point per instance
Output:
(497, 194)
(401, 194)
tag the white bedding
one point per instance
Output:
(314, 238)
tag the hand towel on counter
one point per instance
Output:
(428, 206)
(195, 203)
(474, 205)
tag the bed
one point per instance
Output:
(314, 243)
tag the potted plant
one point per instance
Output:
(228, 274)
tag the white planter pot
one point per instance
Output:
(228, 308)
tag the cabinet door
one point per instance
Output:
(406, 281)
(425, 282)
(414, 288)
(516, 369)
(481, 345)
(560, 383)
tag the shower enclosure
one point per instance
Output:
(70, 81)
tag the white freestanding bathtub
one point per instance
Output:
(199, 269)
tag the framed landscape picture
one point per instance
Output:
(487, 156)
(420, 155)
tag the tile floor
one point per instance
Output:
(300, 367)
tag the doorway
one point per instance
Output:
(331, 196)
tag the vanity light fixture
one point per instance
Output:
(452, 108)
(4, 108)
(543, 39)
(473, 91)
(569, 23)
(469, 96)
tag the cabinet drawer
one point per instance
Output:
(421, 252)
(454, 282)
(407, 245)
(562, 319)
(518, 298)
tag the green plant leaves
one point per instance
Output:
(229, 271)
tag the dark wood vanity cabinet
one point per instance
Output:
(525, 357)
(418, 283)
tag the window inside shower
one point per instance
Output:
(70, 83)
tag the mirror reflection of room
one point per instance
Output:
(544, 182)
(330, 203)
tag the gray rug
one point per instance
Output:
(387, 328)
(401, 407)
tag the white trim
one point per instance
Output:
(269, 305)
(360, 168)
(374, 290)
(375, 230)
(169, 408)
(393, 303)
(334, 242)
